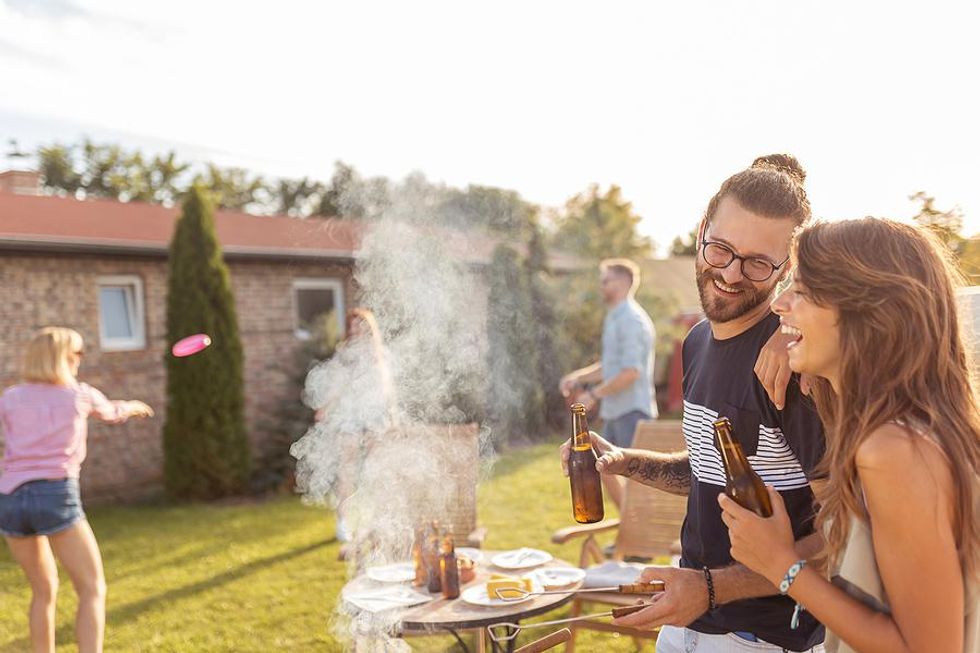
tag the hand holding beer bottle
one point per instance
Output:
(611, 459)
(583, 475)
(742, 484)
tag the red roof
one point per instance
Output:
(55, 223)
(43, 223)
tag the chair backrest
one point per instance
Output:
(650, 521)
(459, 457)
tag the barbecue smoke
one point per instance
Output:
(426, 285)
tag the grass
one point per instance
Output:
(265, 576)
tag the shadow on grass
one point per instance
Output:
(131, 611)
(190, 557)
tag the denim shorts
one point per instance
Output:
(620, 430)
(40, 508)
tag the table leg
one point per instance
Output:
(481, 640)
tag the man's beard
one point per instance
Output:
(725, 309)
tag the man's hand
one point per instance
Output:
(772, 368)
(684, 599)
(567, 385)
(588, 399)
(612, 459)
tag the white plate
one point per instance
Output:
(385, 597)
(400, 572)
(478, 596)
(558, 577)
(521, 558)
(473, 554)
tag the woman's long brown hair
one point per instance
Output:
(902, 358)
(377, 349)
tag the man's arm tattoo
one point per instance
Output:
(667, 472)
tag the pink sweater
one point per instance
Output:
(46, 429)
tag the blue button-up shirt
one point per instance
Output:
(627, 342)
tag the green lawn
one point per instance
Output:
(265, 576)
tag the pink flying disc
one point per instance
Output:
(191, 345)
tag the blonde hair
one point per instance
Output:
(46, 357)
(903, 359)
(624, 267)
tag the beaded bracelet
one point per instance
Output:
(784, 586)
(711, 588)
(790, 576)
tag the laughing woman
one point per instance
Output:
(873, 304)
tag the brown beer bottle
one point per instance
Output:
(431, 556)
(418, 559)
(742, 484)
(449, 568)
(582, 474)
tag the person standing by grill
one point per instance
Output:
(623, 379)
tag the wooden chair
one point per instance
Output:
(460, 457)
(452, 457)
(649, 526)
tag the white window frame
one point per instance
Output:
(324, 283)
(137, 314)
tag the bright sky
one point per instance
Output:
(664, 99)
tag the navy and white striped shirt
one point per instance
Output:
(783, 447)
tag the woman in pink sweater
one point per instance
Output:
(45, 426)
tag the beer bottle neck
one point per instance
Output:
(731, 451)
(448, 546)
(580, 431)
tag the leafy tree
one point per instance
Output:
(348, 195)
(57, 167)
(164, 178)
(296, 196)
(108, 171)
(495, 209)
(516, 403)
(597, 226)
(206, 452)
(105, 170)
(292, 418)
(233, 188)
(544, 324)
(685, 246)
(948, 226)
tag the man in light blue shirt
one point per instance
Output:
(625, 372)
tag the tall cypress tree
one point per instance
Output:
(205, 447)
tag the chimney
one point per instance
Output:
(21, 182)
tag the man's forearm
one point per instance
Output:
(618, 383)
(670, 472)
(738, 582)
(590, 374)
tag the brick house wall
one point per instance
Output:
(125, 461)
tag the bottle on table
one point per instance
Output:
(448, 568)
(431, 555)
(418, 557)
(582, 474)
(742, 484)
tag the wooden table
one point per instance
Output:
(449, 616)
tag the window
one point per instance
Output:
(121, 313)
(316, 300)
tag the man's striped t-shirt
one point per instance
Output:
(783, 447)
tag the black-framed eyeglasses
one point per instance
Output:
(754, 268)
